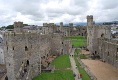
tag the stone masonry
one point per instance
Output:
(100, 42)
(26, 53)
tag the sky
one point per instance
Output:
(37, 12)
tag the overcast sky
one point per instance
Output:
(39, 11)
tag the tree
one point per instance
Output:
(10, 27)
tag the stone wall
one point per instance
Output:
(29, 51)
(99, 42)
(108, 51)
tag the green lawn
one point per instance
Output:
(77, 41)
(85, 76)
(62, 61)
(57, 75)
(74, 37)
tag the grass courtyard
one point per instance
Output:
(62, 61)
(57, 75)
(77, 41)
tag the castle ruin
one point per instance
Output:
(26, 53)
(101, 43)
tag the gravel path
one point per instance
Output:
(73, 64)
(85, 52)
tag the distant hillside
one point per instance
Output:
(79, 24)
(110, 23)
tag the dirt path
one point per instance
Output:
(73, 64)
(103, 71)
(85, 52)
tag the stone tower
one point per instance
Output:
(94, 32)
(61, 26)
(70, 27)
(89, 32)
(18, 27)
(45, 24)
(90, 21)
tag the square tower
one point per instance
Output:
(90, 20)
(18, 27)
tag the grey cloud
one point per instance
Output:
(109, 4)
(103, 10)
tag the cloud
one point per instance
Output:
(39, 11)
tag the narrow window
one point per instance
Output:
(13, 47)
(27, 62)
(108, 54)
(7, 47)
(117, 54)
(26, 49)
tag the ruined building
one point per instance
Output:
(100, 42)
(65, 30)
(26, 53)
(74, 30)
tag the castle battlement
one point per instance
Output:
(89, 17)
(48, 24)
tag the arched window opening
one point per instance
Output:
(26, 49)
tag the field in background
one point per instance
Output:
(77, 41)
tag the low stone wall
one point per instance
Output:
(87, 70)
